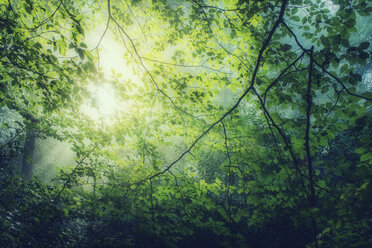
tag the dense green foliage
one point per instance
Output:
(247, 124)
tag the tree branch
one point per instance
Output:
(49, 17)
(143, 65)
(285, 139)
(267, 41)
(11, 140)
(341, 83)
(281, 74)
(218, 42)
(186, 66)
(69, 178)
(322, 67)
(265, 44)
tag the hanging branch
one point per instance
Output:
(341, 83)
(182, 197)
(267, 41)
(135, 17)
(280, 154)
(103, 34)
(285, 139)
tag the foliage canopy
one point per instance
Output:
(247, 123)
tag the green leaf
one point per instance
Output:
(254, 22)
(295, 18)
(360, 150)
(83, 45)
(325, 41)
(344, 68)
(287, 47)
(364, 45)
(325, 89)
(345, 43)
(363, 186)
(81, 53)
(363, 55)
(365, 157)
(322, 183)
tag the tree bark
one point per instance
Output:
(28, 154)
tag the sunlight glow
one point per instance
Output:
(103, 105)
(105, 96)
(106, 104)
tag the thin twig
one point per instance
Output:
(49, 17)
(281, 74)
(11, 140)
(70, 175)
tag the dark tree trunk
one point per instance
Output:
(28, 153)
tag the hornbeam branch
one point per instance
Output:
(69, 177)
(252, 81)
(143, 65)
(322, 67)
(285, 139)
(281, 74)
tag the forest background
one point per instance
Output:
(165, 123)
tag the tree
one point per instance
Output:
(269, 89)
(36, 83)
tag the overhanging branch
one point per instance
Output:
(252, 81)
(322, 67)
(143, 65)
